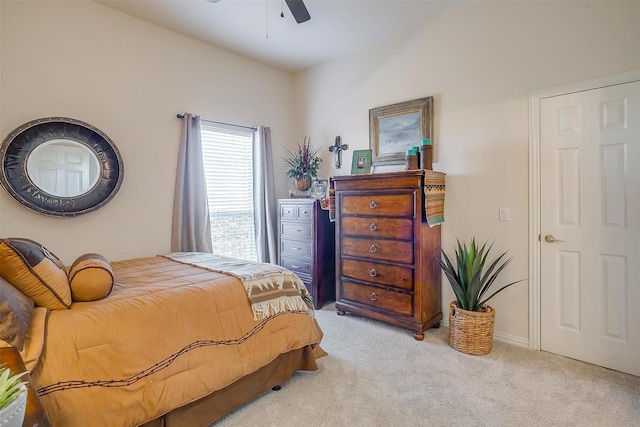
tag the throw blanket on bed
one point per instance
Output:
(271, 289)
(434, 196)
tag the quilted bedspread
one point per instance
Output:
(169, 334)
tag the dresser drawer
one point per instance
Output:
(394, 228)
(296, 248)
(296, 266)
(390, 275)
(294, 211)
(378, 204)
(295, 230)
(383, 299)
(387, 250)
(303, 212)
(288, 211)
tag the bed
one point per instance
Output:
(179, 341)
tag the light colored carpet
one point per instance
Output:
(378, 375)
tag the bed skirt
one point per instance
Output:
(208, 409)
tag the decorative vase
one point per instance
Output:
(303, 183)
(12, 415)
(471, 332)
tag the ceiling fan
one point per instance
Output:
(297, 8)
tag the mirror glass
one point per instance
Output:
(60, 166)
(63, 167)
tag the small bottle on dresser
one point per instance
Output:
(426, 154)
(411, 160)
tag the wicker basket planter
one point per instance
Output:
(471, 332)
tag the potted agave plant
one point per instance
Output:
(471, 320)
(13, 398)
(304, 164)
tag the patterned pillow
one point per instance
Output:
(15, 315)
(90, 278)
(35, 272)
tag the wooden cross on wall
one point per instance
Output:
(336, 148)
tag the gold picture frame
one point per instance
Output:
(393, 129)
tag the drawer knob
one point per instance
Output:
(374, 297)
(295, 266)
(373, 249)
(373, 204)
(373, 227)
(373, 273)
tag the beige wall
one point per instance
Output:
(128, 78)
(480, 62)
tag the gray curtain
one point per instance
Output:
(264, 196)
(191, 229)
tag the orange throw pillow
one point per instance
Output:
(35, 272)
(90, 278)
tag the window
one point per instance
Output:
(228, 166)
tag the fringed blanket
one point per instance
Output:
(271, 289)
(434, 196)
(332, 201)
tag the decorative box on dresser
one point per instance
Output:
(307, 246)
(385, 250)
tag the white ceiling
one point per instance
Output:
(254, 28)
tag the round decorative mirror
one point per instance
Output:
(60, 166)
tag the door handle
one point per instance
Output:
(550, 238)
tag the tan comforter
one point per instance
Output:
(168, 334)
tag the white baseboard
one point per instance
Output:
(498, 336)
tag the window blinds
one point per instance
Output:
(228, 164)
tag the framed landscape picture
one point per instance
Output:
(361, 164)
(393, 129)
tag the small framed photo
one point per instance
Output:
(361, 164)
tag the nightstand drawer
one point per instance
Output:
(296, 266)
(295, 230)
(296, 248)
(378, 204)
(387, 250)
(390, 228)
(395, 302)
(390, 275)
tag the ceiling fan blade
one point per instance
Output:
(298, 10)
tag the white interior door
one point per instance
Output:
(589, 203)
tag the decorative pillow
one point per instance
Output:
(90, 278)
(35, 272)
(15, 314)
(34, 341)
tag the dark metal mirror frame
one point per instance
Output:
(21, 142)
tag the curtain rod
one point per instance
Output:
(181, 116)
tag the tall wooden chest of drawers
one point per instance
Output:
(385, 250)
(307, 246)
